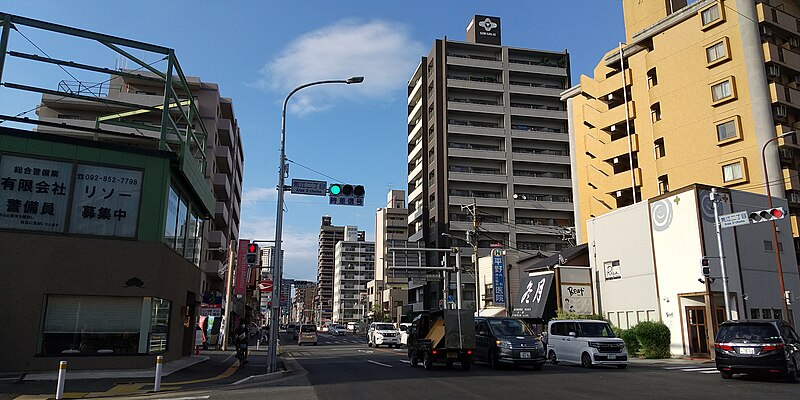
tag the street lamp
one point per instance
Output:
(278, 270)
(774, 226)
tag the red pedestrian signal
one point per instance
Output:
(252, 253)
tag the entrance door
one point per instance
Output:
(696, 326)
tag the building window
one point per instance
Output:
(717, 52)
(722, 91)
(652, 78)
(728, 130)
(663, 184)
(710, 16)
(171, 224)
(658, 146)
(732, 172)
(766, 313)
(755, 313)
(100, 325)
(655, 112)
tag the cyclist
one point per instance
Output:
(241, 337)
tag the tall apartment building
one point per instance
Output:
(702, 89)
(486, 124)
(302, 304)
(329, 235)
(353, 268)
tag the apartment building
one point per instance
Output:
(302, 304)
(353, 268)
(329, 235)
(700, 91)
(486, 125)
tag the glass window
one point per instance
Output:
(721, 90)
(595, 329)
(180, 239)
(510, 327)
(755, 313)
(104, 325)
(716, 51)
(710, 14)
(170, 225)
(732, 172)
(748, 333)
(194, 237)
(766, 313)
(726, 130)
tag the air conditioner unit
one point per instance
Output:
(616, 160)
(794, 41)
(793, 197)
(773, 70)
(610, 96)
(766, 31)
(779, 111)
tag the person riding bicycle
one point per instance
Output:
(241, 337)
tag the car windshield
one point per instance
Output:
(510, 327)
(748, 333)
(384, 327)
(308, 328)
(594, 329)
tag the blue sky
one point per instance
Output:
(257, 51)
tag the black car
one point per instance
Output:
(509, 341)
(765, 347)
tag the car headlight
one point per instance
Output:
(504, 344)
(594, 344)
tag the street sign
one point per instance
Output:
(734, 219)
(265, 286)
(314, 188)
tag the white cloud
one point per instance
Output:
(381, 51)
(252, 196)
(299, 248)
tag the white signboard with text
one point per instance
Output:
(106, 201)
(34, 193)
(576, 298)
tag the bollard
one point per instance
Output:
(159, 366)
(62, 376)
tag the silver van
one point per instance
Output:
(585, 342)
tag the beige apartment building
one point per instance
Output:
(701, 89)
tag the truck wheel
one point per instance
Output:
(427, 361)
(414, 360)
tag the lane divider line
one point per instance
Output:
(380, 363)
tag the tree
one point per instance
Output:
(380, 315)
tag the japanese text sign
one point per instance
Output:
(34, 193)
(106, 201)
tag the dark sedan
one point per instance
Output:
(508, 341)
(763, 347)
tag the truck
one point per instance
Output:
(443, 336)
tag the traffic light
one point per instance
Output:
(252, 253)
(767, 215)
(706, 268)
(346, 194)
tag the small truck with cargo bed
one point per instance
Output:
(444, 336)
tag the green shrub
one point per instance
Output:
(654, 339)
(629, 337)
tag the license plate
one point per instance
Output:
(525, 354)
(452, 354)
(612, 357)
(747, 350)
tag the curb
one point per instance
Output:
(266, 377)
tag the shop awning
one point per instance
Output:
(534, 292)
(493, 312)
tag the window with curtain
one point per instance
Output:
(721, 90)
(710, 14)
(732, 172)
(716, 51)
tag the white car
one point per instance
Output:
(585, 342)
(336, 330)
(383, 333)
(404, 333)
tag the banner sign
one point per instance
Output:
(576, 298)
(498, 280)
(106, 201)
(240, 284)
(34, 193)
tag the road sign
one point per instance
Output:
(314, 188)
(734, 219)
(265, 286)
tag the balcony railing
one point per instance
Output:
(477, 124)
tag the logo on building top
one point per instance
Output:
(487, 24)
(661, 214)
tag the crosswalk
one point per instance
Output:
(696, 368)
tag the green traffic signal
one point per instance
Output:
(335, 189)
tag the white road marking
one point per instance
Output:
(365, 351)
(379, 363)
(681, 367)
(405, 361)
(699, 369)
(709, 372)
(185, 398)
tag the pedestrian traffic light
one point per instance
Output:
(252, 253)
(706, 268)
(346, 194)
(767, 215)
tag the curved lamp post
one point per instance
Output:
(278, 270)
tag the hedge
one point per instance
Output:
(654, 338)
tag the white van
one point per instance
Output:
(585, 342)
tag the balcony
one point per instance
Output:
(484, 226)
(225, 132)
(465, 128)
(594, 145)
(543, 181)
(601, 89)
(790, 176)
(781, 56)
(783, 20)
(414, 135)
(619, 147)
(221, 215)
(474, 61)
(222, 186)
(224, 160)
(537, 89)
(412, 176)
(536, 111)
(539, 133)
(415, 112)
(536, 229)
(622, 180)
(236, 211)
(412, 217)
(217, 239)
(543, 205)
(466, 83)
(416, 236)
(212, 267)
(604, 119)
(477, 107)
(414, 96)
(541, 158)
(481, 201)
(477, 154)
(784, 95)
(476, 177)
(415, 151)
(537, 68)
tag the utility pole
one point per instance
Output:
(228, 281)
(473, 210)
(714, 197)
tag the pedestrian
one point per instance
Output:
(264, 333)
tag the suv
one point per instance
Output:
(769, 347)
(383, 333)
(585, 342)
(308, 334)
(507, 341)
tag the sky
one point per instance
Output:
(258, 51)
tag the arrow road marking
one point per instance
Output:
(381, 364)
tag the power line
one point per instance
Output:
(313, 170)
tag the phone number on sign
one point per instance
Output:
(108, 179)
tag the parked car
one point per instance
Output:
(509, 341)
(404, 333)
(308, 334)
(766, 347)
(383, 333)
(291, 329)
(585, 342)
(336, 330)
(352, 327)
